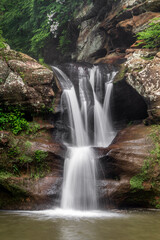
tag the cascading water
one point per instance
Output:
(79, 183)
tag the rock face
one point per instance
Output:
(113, 27)
(24, 80)
(143, 75)
(31, 163)
(33, 167)
(121, 162)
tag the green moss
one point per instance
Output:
(121, 74)
(41, 61)
(28, 145)
(148, 58)
(5, 175)
(11, 194)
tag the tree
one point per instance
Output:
(29, 24)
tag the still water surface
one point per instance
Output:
(61, 225)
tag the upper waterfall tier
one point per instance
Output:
(86, 100)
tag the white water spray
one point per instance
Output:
(79, 183)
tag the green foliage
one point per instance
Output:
(148, 58)
(41, 61)
(64, 41)
(136, 182)
(4, 174)
(40, 155)
(151, 35)
(13, 151)
(26, 25)
(2, 40)
(13, 120)
(33, 127)
(152, 162)
(40, 165)
(155, 153)
(52, 109)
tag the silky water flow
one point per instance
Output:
(79, 178)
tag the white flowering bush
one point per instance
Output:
(53, 24)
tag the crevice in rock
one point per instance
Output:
(126, 104)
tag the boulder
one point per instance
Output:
(24, 81)
(4, 71)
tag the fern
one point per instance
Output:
(151, 35)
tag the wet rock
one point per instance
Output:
(90, 41)
(120, 162)
(24, 193)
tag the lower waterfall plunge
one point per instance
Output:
(79, 183)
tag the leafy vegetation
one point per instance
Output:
(2, 40)
(13, 120)
(151, 35)
(20, 158)
(40, 165)
(150, 164)
(29, 24)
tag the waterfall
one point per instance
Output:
(92, 99)
(103, 130)
(79, 184)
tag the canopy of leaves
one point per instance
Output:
(151, 35)
(25, 24)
